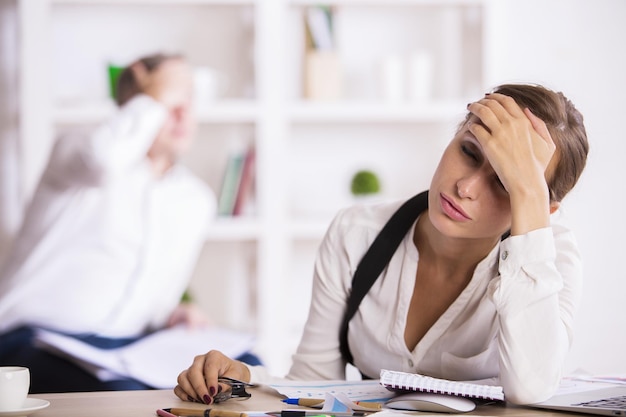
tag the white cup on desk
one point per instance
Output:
(14, 385)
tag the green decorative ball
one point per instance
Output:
(365, 182)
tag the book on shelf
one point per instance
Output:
(403, 382)
(237, 183)
(319, 25)
(246, 182)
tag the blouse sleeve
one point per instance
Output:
(115, 145)
(536, 295)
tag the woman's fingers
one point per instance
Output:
(517, 143)
(200, 381)
(503, 105)
(495, 109)
(192, 383)
(181, 390)
(216, 365)
(540, 127)
(500, 116)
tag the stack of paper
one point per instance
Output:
(155, 360)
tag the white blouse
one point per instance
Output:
(511, 326)
(106, 247)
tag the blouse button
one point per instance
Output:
(410, 363)
(505, 255)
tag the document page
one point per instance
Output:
(155, 360)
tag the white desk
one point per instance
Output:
(145, 403)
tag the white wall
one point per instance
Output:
(577, 46)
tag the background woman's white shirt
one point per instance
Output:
(106, 246)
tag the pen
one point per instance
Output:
(209, 412)
(316, 402)
(311, 413)
(165, 413)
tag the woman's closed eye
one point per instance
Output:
(470, 151)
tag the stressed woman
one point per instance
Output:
(484, 282)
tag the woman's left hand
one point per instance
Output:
(519, 148)
(516, 142)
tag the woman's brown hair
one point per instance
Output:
(565, 124)
(127, 86)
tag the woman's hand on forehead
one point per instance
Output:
(517, 143)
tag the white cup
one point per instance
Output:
(14, 385)
(392, 74)
(421, 77)
(209, 85)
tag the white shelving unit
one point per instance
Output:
(256, 270)
(226, 111)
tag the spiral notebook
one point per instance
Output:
(402, 381)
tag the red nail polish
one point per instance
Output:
(212, 391)
(207, 400)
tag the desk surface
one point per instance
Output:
(145, 403)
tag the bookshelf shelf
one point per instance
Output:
(229, 111)
(96, 111)
(155, 2)
(376, 112)
(381, 3)
(235, 229)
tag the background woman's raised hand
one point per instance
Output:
(170, 83)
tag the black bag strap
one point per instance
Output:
(376, 259)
